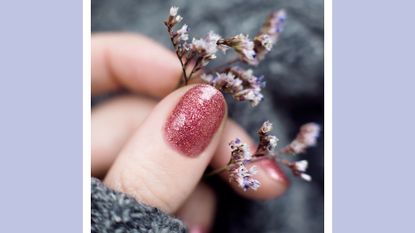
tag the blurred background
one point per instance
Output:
(294, 95)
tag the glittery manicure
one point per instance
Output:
(195, 119)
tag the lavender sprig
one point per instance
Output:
(236, 168)
(269, 34)
(242, 45)
(241, 156)
(305, 138)
(198, 53)
(240, 83)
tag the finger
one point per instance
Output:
(198, 210)
(113, 122)
(272, 179)
(166, 157)
(124, 60)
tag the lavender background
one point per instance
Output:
(373, 116)
(41, 116)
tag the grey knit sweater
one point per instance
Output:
(294, 95)
(115, 212)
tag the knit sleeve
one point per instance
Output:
(117, 212)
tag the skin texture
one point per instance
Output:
(167, 178)
(113, 122)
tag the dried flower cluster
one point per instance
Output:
(242, 45)
(269, 33)
(197, 54)
(305, 138)
(241, 156)
(240, 83)
(238, 172)
(243, 85)
(267, 143)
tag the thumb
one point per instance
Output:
(164, 160)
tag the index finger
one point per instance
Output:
(134, 62)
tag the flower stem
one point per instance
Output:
(185, 79)
(257, 158)
(195, 67)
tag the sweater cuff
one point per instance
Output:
(113, 211)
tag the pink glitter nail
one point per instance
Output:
(195, 119)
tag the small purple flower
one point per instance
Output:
(265, 128)
(236, 168)
(240, 83)
(269, 34)
(301, 165)
(307, 137)
(173, 18)
(173, 11)
(242, 45)
(182, 32)
(267, 143)
(206, 47)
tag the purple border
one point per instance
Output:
(373, 116)
(41, 116)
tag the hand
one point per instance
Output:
(132, 146)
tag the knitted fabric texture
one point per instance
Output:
(116, 212)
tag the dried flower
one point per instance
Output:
(298, 168)
(265, 128)
(301, 165)
(269, 34)
(173, 18)
(309, 133)
(205, 48)
(244, 178)
(305, 138)
(243, 85)
(200, 51)
(236, 168)
(241, 157)
(182, 33)
(178, 18)
(264, 41)
(267, 143)
(240, 152)
(173, 11)
(242, 45)
(305, 177)
(240, 83)
(272, 142)
(274, 24)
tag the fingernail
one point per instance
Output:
(195, 119)
(274, 171)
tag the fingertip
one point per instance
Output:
(132, 61)
(167, 155)
(112, 123)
